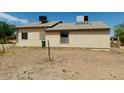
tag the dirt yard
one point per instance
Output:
(66, 64)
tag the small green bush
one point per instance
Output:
(122, 38)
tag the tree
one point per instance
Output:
(121, 37)
(43, 19)
(118, 31)
(6, 31)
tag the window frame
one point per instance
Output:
(23, 37)
(63, 37)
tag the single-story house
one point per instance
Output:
(80, 34)
(32, 34)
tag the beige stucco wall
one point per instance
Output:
(86, 39)
(34, 38)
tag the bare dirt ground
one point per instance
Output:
(66, 64)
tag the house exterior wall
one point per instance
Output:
(86, 39)
(35, 35)
(42, 34)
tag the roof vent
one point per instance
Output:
(82, 20)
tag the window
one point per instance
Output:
(24, 35)
(64, 37)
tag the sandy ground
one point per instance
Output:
(66, 64)
(7, 46)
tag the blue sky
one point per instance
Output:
(20, 18)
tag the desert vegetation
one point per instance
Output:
(6, 33)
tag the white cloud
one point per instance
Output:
(12, 18)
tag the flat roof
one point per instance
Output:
(79, 26)
(39, 24)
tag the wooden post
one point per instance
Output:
(118, 41)
(3, 48)
(49, 50)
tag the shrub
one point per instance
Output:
(122, 38)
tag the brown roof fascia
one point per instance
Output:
(16, 28)
(79, 29)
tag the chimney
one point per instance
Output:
(82, 20)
